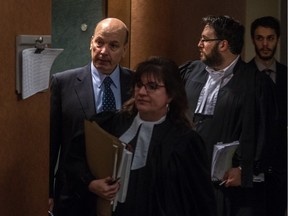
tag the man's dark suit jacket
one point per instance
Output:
(72, 101)
(274, 155)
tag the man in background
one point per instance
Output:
(78, 94)
(272, 166)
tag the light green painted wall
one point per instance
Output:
(67, 18)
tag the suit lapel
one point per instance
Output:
(84, 89)
(125, 81)
(84, 92)
(196, 87)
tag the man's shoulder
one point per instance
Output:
(71, 72)
(69, 76)
(190, 67)
(126, 77)
(252, 63)
(192, 64)
(126, 71)
(245, 67)
(281, 67)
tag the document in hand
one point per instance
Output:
(107, 156)
(123, 174)
(222, 159)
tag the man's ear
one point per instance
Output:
(223, 45)
(91, 42)
(125, 48)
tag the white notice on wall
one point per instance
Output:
(36, 70)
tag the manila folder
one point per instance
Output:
(103, 152)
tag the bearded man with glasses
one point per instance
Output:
(228, 102)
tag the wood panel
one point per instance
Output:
(172, 28)
(24, 128)
(121, 9)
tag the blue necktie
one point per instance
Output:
(108, 96)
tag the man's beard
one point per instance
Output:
(214, 59)
(265, 58)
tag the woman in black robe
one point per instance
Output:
(170, 171)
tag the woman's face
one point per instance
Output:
(151, 98)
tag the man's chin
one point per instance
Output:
(102, 64)
(202, 58)
(103, 69)
(266, 57)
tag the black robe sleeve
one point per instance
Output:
(183, 178)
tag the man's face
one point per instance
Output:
(208, 47)
(108, 47)
(265, 42)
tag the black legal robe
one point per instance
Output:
(175, 180)
(240, 112)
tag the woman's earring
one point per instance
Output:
(167, 107)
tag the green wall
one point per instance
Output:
(67, 18)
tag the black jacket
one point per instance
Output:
(72, 101)
(238, 115)
(175, 180)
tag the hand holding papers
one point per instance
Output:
(222, 159)
(107, 156)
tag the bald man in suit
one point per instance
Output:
(77, 94)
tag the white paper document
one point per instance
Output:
(123, 175)
(222, 159)
(36, 70)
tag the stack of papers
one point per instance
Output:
(222, 159)
(36, 70)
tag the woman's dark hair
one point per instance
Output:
(165, 70)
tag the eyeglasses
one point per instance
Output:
(202, 40)
(149, 87)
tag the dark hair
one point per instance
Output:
(166, 70)
(227, 28)
(266, 21)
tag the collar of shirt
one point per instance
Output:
(98, 78)
(262, 67)
(143, 139)
(216, 80)
(228, 71)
